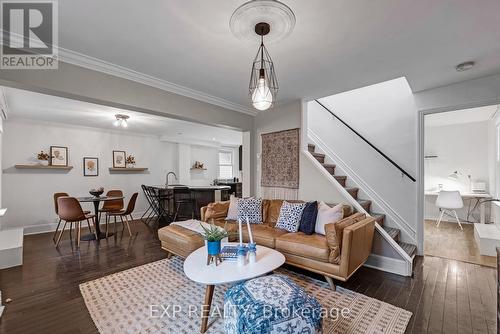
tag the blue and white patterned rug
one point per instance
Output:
(158, 298)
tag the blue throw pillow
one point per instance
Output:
(289, 218)
(251, 208)
(308, 219)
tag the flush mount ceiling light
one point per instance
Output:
(465, 66)
(251, 21)
(121, 120)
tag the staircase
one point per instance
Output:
(366, 204)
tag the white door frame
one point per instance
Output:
(420, 159)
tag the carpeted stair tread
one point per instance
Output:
(410, 249)
(353, 191)
(365, 203)
(329, 167)
(319, 156)
(341, 179)
(393, 232)
(379, 217)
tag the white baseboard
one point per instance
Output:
(388, 264)
(51, 227)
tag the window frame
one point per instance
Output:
(219, 164)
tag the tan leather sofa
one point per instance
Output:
(311, 252)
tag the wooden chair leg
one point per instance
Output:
(128, 226)
(70, 230)
(123, 224)
(78, 232)
(57, 229)
(88, 224)
(114, 229)
(458, 220)
(60, 234)
(107, 217)
(330, 282)
(440, 218)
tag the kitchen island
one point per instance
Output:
(170, 196)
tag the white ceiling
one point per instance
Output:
(29, 105)
(471, 115)
(336, 45)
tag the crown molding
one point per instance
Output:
(78, 59)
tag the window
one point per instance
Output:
(225, 165)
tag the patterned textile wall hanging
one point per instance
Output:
(280, 164)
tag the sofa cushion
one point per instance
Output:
(271, 211)
(290, 215)
(250, 208)
(217, 210)
(312, 246)
(327, 215)
(232, 212)
(335, 232)
(263, 235)
(308, 219)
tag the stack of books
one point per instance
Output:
(229, 253)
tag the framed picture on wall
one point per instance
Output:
(58, 156)
(119, 159)
(90, 166)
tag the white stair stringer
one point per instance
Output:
(403, 266)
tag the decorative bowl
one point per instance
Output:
(96, 193)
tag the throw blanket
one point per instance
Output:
(195, 225)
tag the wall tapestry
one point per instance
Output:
(280, 164)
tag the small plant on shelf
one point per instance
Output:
(198, 165)
(43, 158)
(130, 160)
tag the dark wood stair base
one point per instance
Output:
(394, 233)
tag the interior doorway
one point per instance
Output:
(461, 161)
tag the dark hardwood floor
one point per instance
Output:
(445, 296)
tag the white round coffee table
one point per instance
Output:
(196, 269)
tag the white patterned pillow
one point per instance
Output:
(251, 208)
(290, 214)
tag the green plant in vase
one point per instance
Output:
(214, 235)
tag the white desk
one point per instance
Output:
(467, 195)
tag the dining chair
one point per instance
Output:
(449, 201)
(110, 206)
(56, 207)
(124, 214)
(70, 210)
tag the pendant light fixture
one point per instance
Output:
(263, 82)
(255, 19)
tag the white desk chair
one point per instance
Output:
(449, 201)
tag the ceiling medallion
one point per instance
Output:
(278, 15)
(256, 19)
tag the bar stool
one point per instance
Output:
(124, 214)
(182, 196)
(56, 207)
(71, 212)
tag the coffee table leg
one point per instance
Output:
(205, 312)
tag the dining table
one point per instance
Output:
(96, 200)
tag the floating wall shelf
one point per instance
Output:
(43, 167)
(127, 169)
(192, 168)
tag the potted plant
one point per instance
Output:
(130, 160)
(43, 158)
(213, 235)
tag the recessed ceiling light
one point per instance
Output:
(465, 66)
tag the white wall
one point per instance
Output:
(209, 157)
(385, 115)
(459, 147)
(28, 194)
